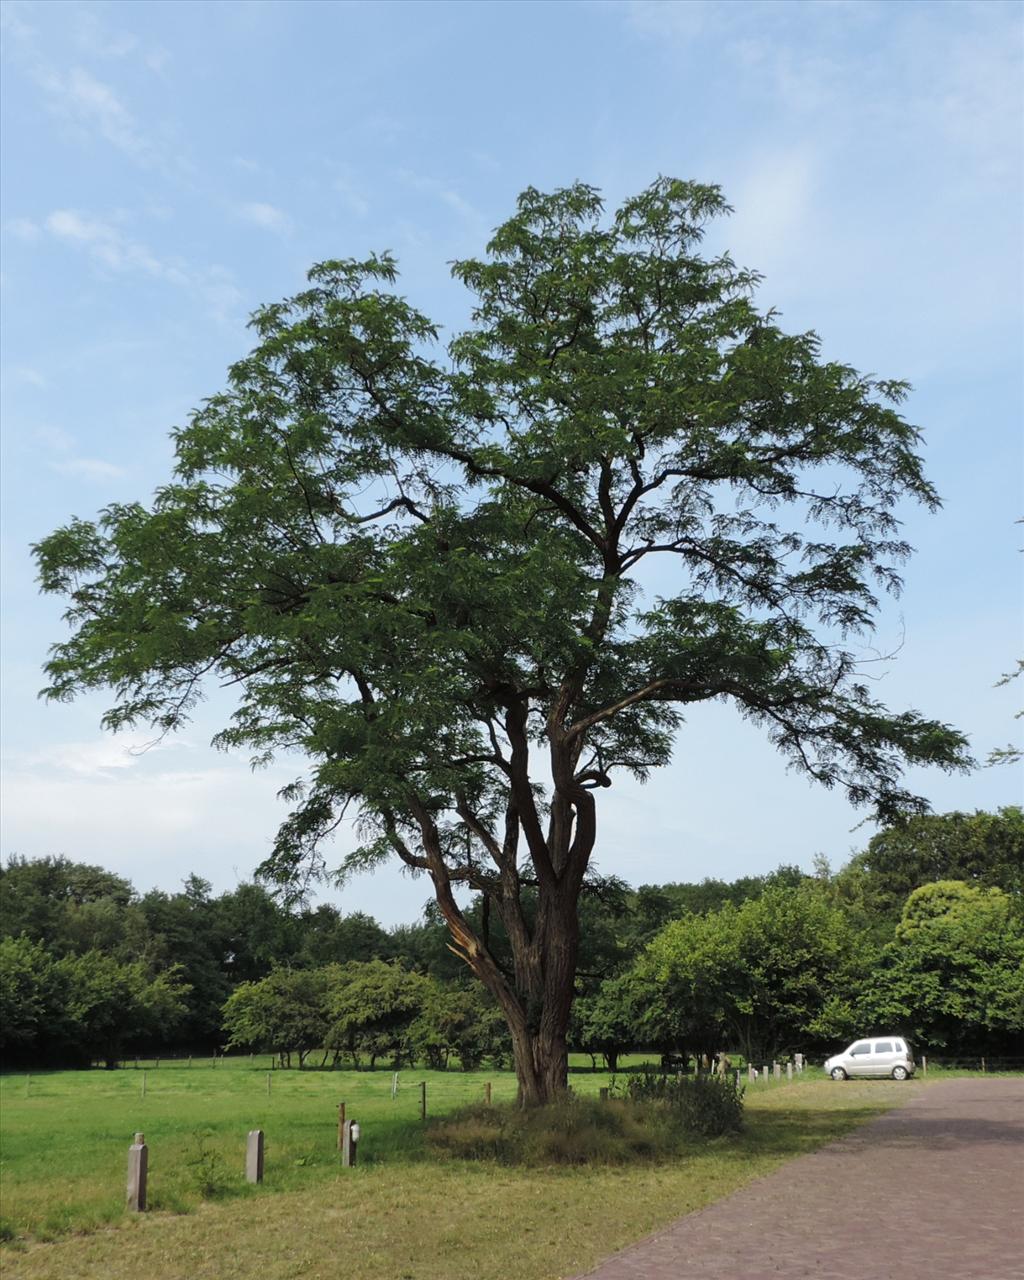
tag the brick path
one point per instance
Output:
(931, 1191)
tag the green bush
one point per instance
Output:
(704, 1106)
(576, 1131)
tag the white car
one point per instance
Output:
(884, 1056)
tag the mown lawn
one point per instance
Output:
(396, 1216)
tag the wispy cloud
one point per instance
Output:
(352, 197)
(266, 216)
(93, 106)
(110, 248)
(23, 229)
(444, 192)
(98, 757)
(24, 374)
(89, 469)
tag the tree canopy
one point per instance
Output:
(430, 572)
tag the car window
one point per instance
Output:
(899, 1047)
(863, 1047)
(883, 1046)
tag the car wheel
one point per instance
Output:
(899, 1073)
(837, 1073)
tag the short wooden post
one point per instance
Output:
(341, 1125)
(737, 1077)
(487, 1093)
(138, 1164)
(423, 1099)
(789, 1071)
(603, 1094)
(268, 1084)
(983, 1067)
(143, 1084)
(189, 1059)
(394, 1085)
(777, 1070)
(254, 1156)
(349, 1144)
(158, 1062)
(750, 1072)
(924, 1065)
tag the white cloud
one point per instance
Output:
(95, 107)
(89, 469)
(352, 197)
(445, 193)
(32, 377)
(267, 216)
(55, 439)
(23, 228)
(108, 246)
(93, 759)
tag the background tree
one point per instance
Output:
(427, 573)
(953, 977)
(371, 1007)
(773, 974)
(984, 849)
(286, 1013)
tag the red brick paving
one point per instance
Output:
(930, 1191)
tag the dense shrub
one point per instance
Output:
(705, 1106)
(576, 1131)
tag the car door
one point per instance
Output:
(860, 1059)
(883, 1059)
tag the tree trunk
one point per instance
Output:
(538, 1012)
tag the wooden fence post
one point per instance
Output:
(750, 1072)
(341, 1125)
(143, 1084)
(268, 1084)
(924, 1065)
(777, 1070)
(254, 1156)
(423, 1099)
(487, 1093)
(603, 1094)
(138, 1165)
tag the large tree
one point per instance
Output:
(437, 576)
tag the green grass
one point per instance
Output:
(398, 1215)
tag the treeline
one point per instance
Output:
(922, 932)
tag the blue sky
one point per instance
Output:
(168, 167)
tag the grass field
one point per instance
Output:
(65, 1138)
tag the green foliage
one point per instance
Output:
(705, 1105)
(462, 1022)
(953, 977)
(371, 1007)
(285, 1012)
(985, 849)
(757, 976)
(207, 1170)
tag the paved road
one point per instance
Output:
(931, 1191)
